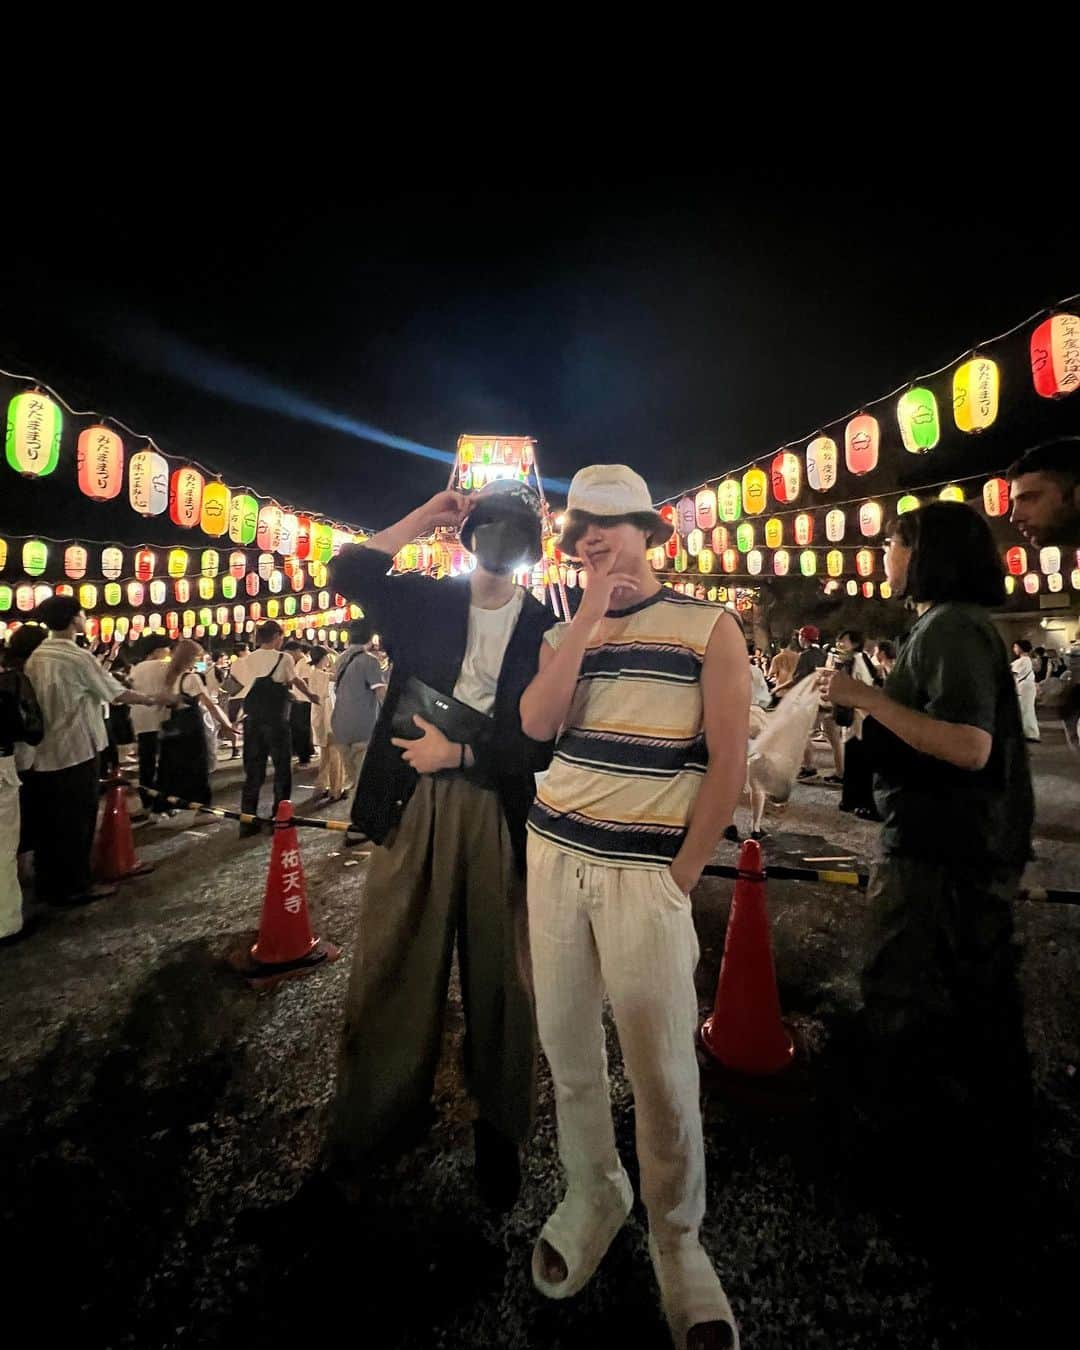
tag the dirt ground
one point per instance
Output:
(160, 1125)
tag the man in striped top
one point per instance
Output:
(648, 691)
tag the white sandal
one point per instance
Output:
(581, 1231)
(690, 1291)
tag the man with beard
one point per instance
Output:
(449, 816)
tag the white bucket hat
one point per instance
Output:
(610, 492)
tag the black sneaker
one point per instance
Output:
(807, 773)
(732, 834)
(498, 1167)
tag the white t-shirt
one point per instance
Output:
(489, 634)
(262, 661)
(303, 669)
(148, 677)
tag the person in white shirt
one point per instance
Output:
(303, 745)
(72, 690)
(1024, 675)
(266, 676)
(320, 679)
(148, 677)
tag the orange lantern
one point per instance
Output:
(172, 621)
(868, 590)
(835, 524)
(1016, 560)
(804, 529)
(862, 438)
(864, 562)
(755, 492)
(975, 394)
(148, 483)
(774, 532)
(822, 462)
(185, 496)
(75, 559)
(1055, 356)
(99, 454)
(255, 610)
(302, 547)
(786, 476)
(996, 497)
(216, 505)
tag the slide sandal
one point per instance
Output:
(691, 1292)
(581, 1231)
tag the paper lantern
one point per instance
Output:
(288, 532)
(870, 519)
(975, 394)
(187, 620)
(107, 624)
(112, 562)
(144, 564)
(868, 590)
(206, 618)
(172, 621)
(302, 548)
(228, 587)
(657, 561)
(755, 492)
(774, 532)
(1010, 585)
(148, 483)
(804, 529)
(99, 454)
(75, 560)
(755, 560)
(706, 561)
(952, 492)
(238, 614)
(296, 581)
(87, 596)
(251, 583)
(276, 582)
(1054, 582)
(35, 557)
(682, 560)
(852, 588)
(685, 515)
(834, 562)
(158, 591)
(243, 518)
(138, 623)
(1031, 583)
(917, 414)
(306, 603)
(695, 542)
(24, 597)
(154, 622)
(1049, 560)
(864, 562)
(216, 506)
(289, 604)
(210, 562)
(1074, 578)
(885, 591)
(705, 508)
(996, 497)
(62, 589)
(136, 593)
(862, 438)
(835, 524)
(205, 586)
(905, 504)
(781, 562)
(1055, 356)
(1016, 560)
(729, 500)
(268, 527)
(113, 593)
(266, 563)
(729, 560)
(318, 573)
(721, 538)
(3, 554)
(185, 496)
(178, 562)
(182, 591)
(822, 463)
(786, 476)
(322, 543)
(744, 537)
(6, 598)
(808, 562)
(33, 434)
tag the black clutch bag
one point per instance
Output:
(456, 720)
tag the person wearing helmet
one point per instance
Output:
(448, 817)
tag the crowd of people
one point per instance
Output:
(544, 797)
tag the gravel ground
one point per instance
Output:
(160, 1125)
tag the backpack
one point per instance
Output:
(268, 699)
(20, 713)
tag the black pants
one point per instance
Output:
(300, 719)
(148, 765)
(858, 788)
(262, 740)
(66, 811)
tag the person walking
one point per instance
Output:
(189, 736)
(359, 690)
(650, 691)
(148, 677)
(266, 675)
(72, 690)
(331, 779)
(447, 810)
(1026, 688)
(303, 744)
(944, 1055)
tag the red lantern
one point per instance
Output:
(100, 457)
(996, 497)
(251, 583)
(185, 497)
(1016, 560)
(1055, 356)
(182, 591)
(144, 564)
(303, 536)
(172, 621)
(786, 476)
(862, 437)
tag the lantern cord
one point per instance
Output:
(884, 398)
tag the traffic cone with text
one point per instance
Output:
(285, 946)
(114, 848)
(744, 1034)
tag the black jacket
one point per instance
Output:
(424, 626)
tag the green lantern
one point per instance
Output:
(6, 598)
(906, 504)
(113, 593)
(323, 542)
(920, 427)
(34, 424)
(744, 537)
(808, 562)
(35, 557)
(228, 588)
(290, 605)
(206, 617)
(243, 518)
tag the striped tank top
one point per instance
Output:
(630, 760)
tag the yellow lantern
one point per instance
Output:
(107, 625)
(1074, 578)
(273, 608)
(1010, 585)
(755, 492)
(206, 588)
(657, 558)
(835, 524)
(885, 591)
(216, 504)
(188, 618)
(774, 532)
(975, 394)
(178, 562)
(834, 562)
(3, 554)
(87, 596)
(729, 500)
(706, 560)
(952, 492)
(822, 460)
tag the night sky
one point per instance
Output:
(684, 326)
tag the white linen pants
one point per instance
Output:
(629, 931)
(10, 891)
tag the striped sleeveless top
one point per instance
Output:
(630, 760)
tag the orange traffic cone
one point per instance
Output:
(285, 946)
(114, 848)
(745, 1033)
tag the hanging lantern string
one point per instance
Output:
(873, 403)
(218, 543)
(178, 459)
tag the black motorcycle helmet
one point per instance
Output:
(504, 527)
